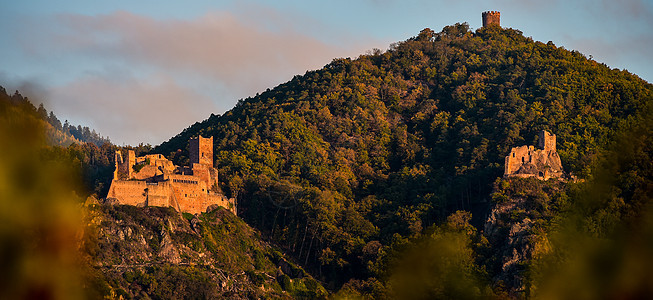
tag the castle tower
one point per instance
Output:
(547, 141)
(491, 18)
(119, 162)
(124, 165)
(131, 161)
(201, 151)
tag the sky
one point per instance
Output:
(142, 71)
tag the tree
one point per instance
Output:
(52, 119)
(42, 112)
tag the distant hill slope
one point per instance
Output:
(344, 165)
(57, 133)
(80, 147)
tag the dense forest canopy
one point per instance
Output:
(345, 165)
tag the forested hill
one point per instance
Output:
(343, 164)
(58, 134)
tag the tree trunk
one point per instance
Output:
(301, 249)
(308, 253)
(274, 223)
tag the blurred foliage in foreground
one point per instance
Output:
(602, 243)
(39, 212)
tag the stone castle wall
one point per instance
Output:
(189, 196)
(130, 192)
(158, 194)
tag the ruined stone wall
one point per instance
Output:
(189, 193)
(200, 151)
(158, 194)
(221, 200)
(141, 193)
(146, 172)
(188, 196)
(213, 181)
(179, 178)
(517, 157)
(131, 161)
(206, 174)
(491, 18)
(156, 160)
(526, 161)
(124, 164)
(152, 166)
(117, 161)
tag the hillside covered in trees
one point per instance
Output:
(81, 147)
(58, 134)
(350, 167)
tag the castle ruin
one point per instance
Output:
(543, 163)
(153, 180)
(491, 18)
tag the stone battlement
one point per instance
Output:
(153, 180)
(526, 161)
(491, 18)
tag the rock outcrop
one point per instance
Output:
(514, 228)
(155, 252)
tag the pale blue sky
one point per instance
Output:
(104, 63)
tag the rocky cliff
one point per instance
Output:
(516, 228)
(157, 253)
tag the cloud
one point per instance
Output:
(132, 110)
(626, 9)
(31, 88)
(180, 71)
(219, 45)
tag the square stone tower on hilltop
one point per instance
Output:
(491, 18)
(201, 151)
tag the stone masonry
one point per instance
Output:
(491, 18)
(526, 161)
(153, 180)
(200, 151)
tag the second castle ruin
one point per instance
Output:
(526, 161)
